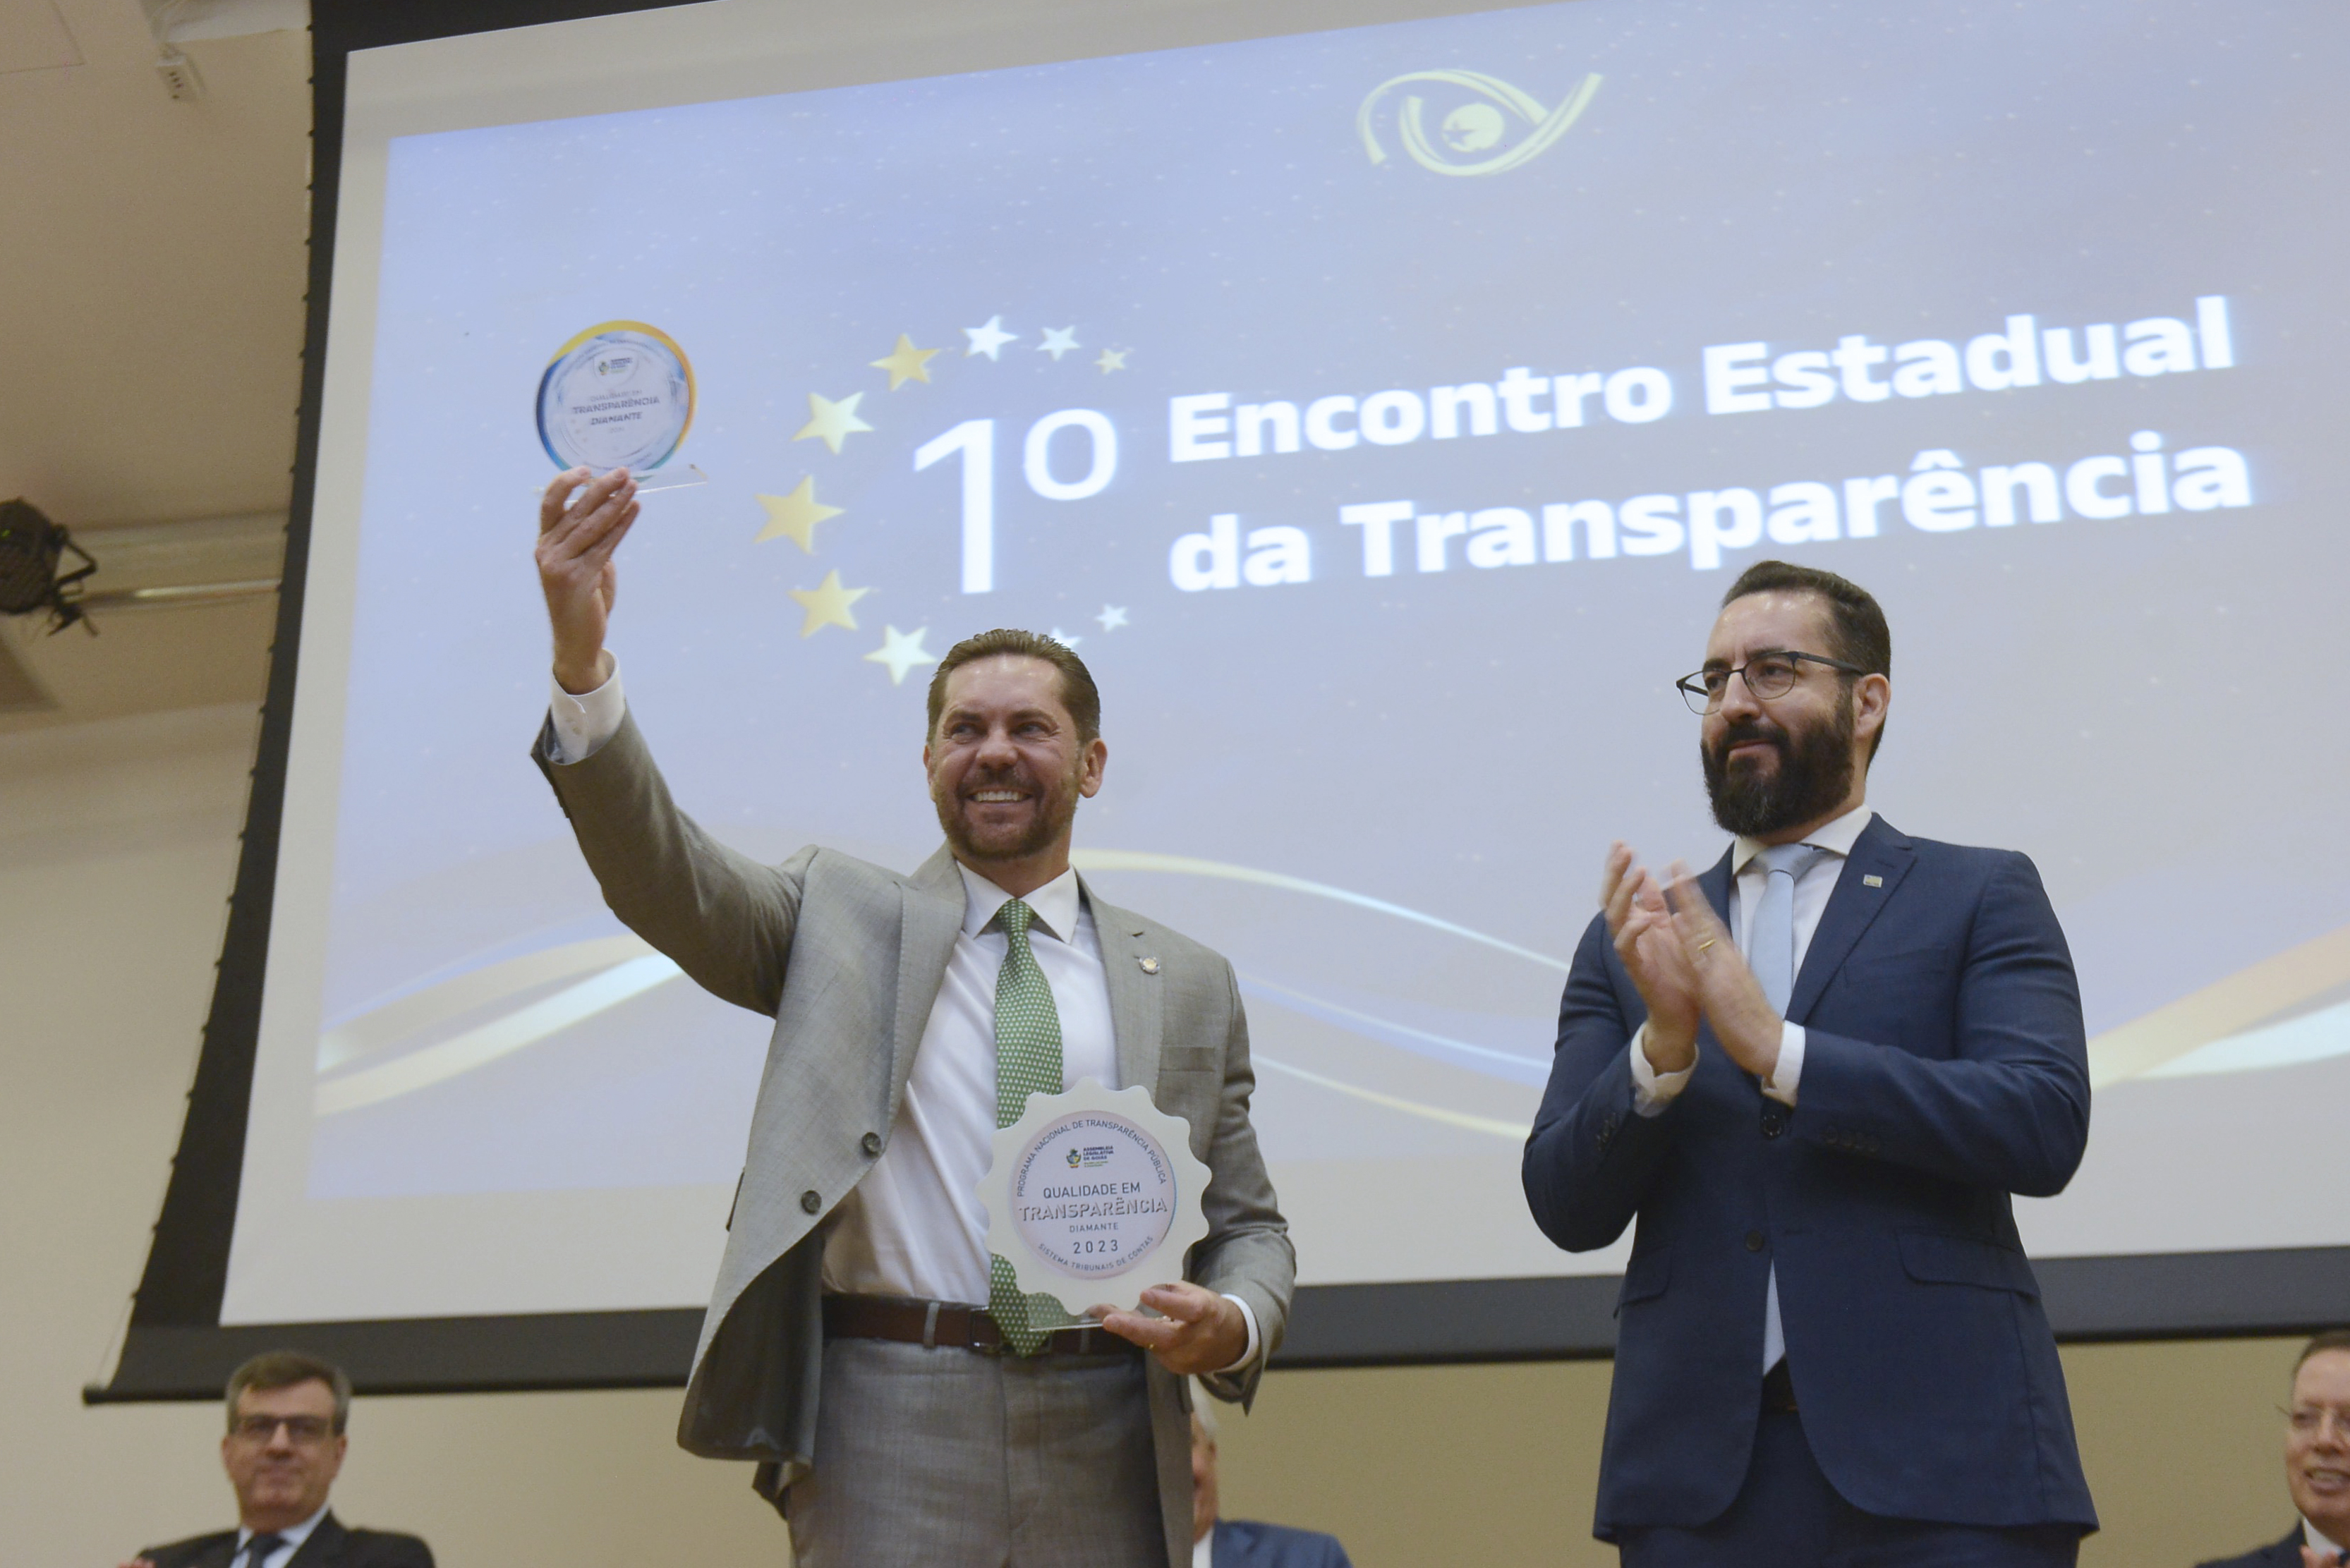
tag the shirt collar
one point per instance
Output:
(293, 1534)
(1837, 837)
(1055, 903)
(2310, 1532)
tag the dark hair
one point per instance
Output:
(1079, 693)
(2331, 1339)
(1857, 630)
(284, 1369)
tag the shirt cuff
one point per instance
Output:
(583, 722)
(1249, 1317)
(1790, 1069)
(1652, 1091)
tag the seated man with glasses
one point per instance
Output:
(286, 1412)
(2316, 1462)
(1811, 1078)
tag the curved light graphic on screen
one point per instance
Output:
(2229, 1026)
(357, 1067)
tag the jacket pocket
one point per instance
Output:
(1190, 1059)
(1646, 1276)
(1939, 1258)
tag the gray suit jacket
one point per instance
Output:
(848, 958)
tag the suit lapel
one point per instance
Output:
(1715, 881)
(1879, 852)
(1135, 1018)
(322, 1548)
(931, 916)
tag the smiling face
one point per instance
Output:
(1775, 769)
(1007, 769)
(283, 1453)
(2317, 1460)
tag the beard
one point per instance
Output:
(1057, 809)
(1813, 778)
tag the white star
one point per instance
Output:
(1063, 638)
(1111, 360)
(901, 650)
(1112, 617)
(989, 339)
(1058, 340)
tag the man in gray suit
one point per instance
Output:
(906, 1404)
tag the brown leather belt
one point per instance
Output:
(912, 1321)
(1779, 1389)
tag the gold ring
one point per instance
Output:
(1705, 944)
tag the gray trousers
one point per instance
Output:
(948, 1458)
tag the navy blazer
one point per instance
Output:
(1244, 1543)
(1944, 1067)
(2285, 1553)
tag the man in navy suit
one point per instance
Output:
(1242, 1543)
(286, 1415)
(2316, 1462)
(1813, 1074)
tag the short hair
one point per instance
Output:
(283, 1369)
(1857, 630)
(1079, 693)
(2331, 1339)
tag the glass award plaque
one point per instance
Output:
(1094, 1196)
(619, 395)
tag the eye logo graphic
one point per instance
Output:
(1477, 125)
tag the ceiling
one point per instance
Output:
(152, 276)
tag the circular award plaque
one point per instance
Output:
(1094, 1196)
(619, 395)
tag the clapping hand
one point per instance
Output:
(1654, 952)
(1727, 991)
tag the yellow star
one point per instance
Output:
(794, 516)
(1111, 360)
(906, 363)
(828, 604)
(901, 650)
(832, 422)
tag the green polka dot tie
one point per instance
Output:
(1027, 1061)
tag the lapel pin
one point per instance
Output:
(1150, 965)
(1872, 881)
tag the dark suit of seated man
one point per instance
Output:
(2316, 1462)
(285, 1447)
(1242, 1543)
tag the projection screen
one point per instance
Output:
(1380, 409)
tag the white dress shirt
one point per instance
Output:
(914, 1225)
(2316, 1539)
(1653, 1091)
(291, 1538)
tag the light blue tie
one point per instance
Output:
(1771, 954)
(1771, 941)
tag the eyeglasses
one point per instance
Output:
(1769, 674)
(303, 1431)
(2309, 1420)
